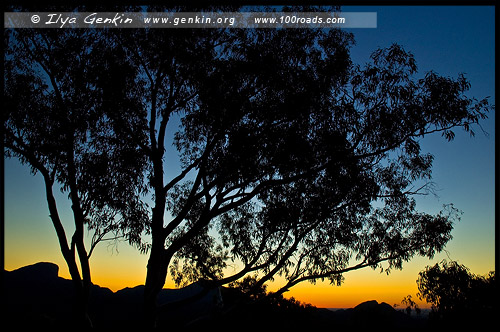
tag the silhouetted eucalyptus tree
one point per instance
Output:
(457, 296)
(60, 90)
(284, 148)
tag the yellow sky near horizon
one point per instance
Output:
(121, 266)
(30, 238)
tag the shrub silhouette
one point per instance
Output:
(458, 296)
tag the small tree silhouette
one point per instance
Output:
(458, 296)
(410, 304)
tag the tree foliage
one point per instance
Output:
(292, 182)
(295, 162)
(59, 93)
(456, 294)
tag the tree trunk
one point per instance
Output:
(156, 270)
(84, 296)
(152, 287)
(81, 287)
(78, 240)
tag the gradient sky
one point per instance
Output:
(447, 40)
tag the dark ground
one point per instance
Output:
(35, 297)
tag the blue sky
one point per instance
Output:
(450, 40)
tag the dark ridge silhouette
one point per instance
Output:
(369, 313)
(36, 297)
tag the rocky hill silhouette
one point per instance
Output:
(35, 297)
(364, 315)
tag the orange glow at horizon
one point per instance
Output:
(324, 295)
(122, 267)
